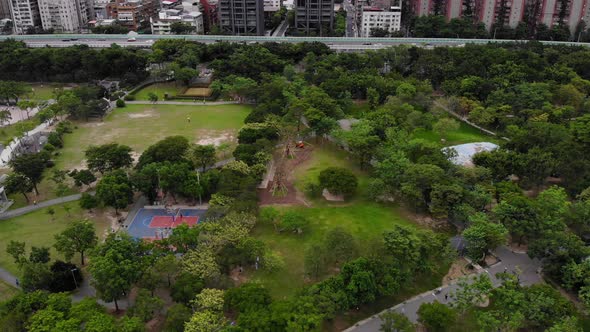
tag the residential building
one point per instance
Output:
(272, 5)
(4, 9)
(241, 17)
(449, 8)
(25, 15)
(63, 16)
(210, 14)
(189, 15)
(314, 16)
(133, 14)
(99, 8)
(382, 14)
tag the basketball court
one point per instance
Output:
(158, 223)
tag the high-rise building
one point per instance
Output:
(314, 16)
(241, 17)
(63, 16)
(449, 8)
(25, 15)
(381, 14)
(210, 15)
(4, 9)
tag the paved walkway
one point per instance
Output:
(512, 262)
(40, 205)
(166, 102)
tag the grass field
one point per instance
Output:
(364, 219)
(6, 291)
(140, 126)
(45, 91)
(160, 89)
(38, 229)
(465, 134)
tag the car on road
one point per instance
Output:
(65, 40)
(132, 39)
(102, 39)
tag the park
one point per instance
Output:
(309, 190)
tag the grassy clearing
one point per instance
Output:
(160, 89)
(6, 291)
(364, 219)
(465, 134)
(45, 91)
(140, 126)
(38, 229)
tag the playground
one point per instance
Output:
(157, 223)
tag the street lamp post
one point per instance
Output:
(73, 276)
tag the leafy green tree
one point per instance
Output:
(209, 299)
(18, 183)
(294, 222)
(114, 189)
(569, 324)
(186, 286)
(150, 279)
(153, 97)
(205, 321)
(82, 177)
(39, 255)
(146, 306)
(340, 246)
(201, 263)
(108, 157)
(338, 181)
(172, 149)
(436, 316)
(483, 236)
(181, 28)
(314, 260)
(88, 201)
(203, 156)
(167, 266)
(115, 266)
(395, 322)
(472, 293)
(176, 316)
(362, 141)
(17, 250)
(78, 237)
(31, 166)
(445, 125)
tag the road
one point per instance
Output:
(336, 43)
(510, 262)
(350, 22)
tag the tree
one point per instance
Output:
(483, 235)
(115, 265)
(205, 321)
(201, 263)
(150, 279)
(120, 103)
(569, 324)
(203, 156)
(114, 190)
(362, 141)
(314, 260)
(209, 299)
(17, 250)
(82, 177)
(39, 255)
(31, 166)
(51, 212)
(146, 306)
(340, 245)
(18, 183)
(186, 286)
(445, 125)
(79, 236)
(436, 316)
(395, 322)
(176, 316)
(153, 97)
(168, 266)
(472, 293)
(88, 201)
(338, 181)
(181, 28)
(172, 149)
(5, 117)
(108, 157)
(293, 221)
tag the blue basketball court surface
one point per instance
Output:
(158, 223)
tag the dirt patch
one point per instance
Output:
(94, 124)
(459, 268)
(426, 221)
(292, 196)
(215, 140)
(238, 275)
(521, 249)
(490, 260)
(135, 155)
(145, 114)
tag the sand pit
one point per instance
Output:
(216, 141)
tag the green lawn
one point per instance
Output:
(38, 229)
(45, 91)
(364, 219)
(140, 126)
(6, 291)
(160, 89)
(465, 134)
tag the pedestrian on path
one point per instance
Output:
(446, 297)
(17, 283)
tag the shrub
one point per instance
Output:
(338, 181)
(88, 201)
(313, 190)
(120, 103)
(130, 97)
(55, 139)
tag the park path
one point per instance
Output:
(166, 102)
(40, 205)
(510, 261)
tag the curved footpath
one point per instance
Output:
(509, 262)
(169, 102)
